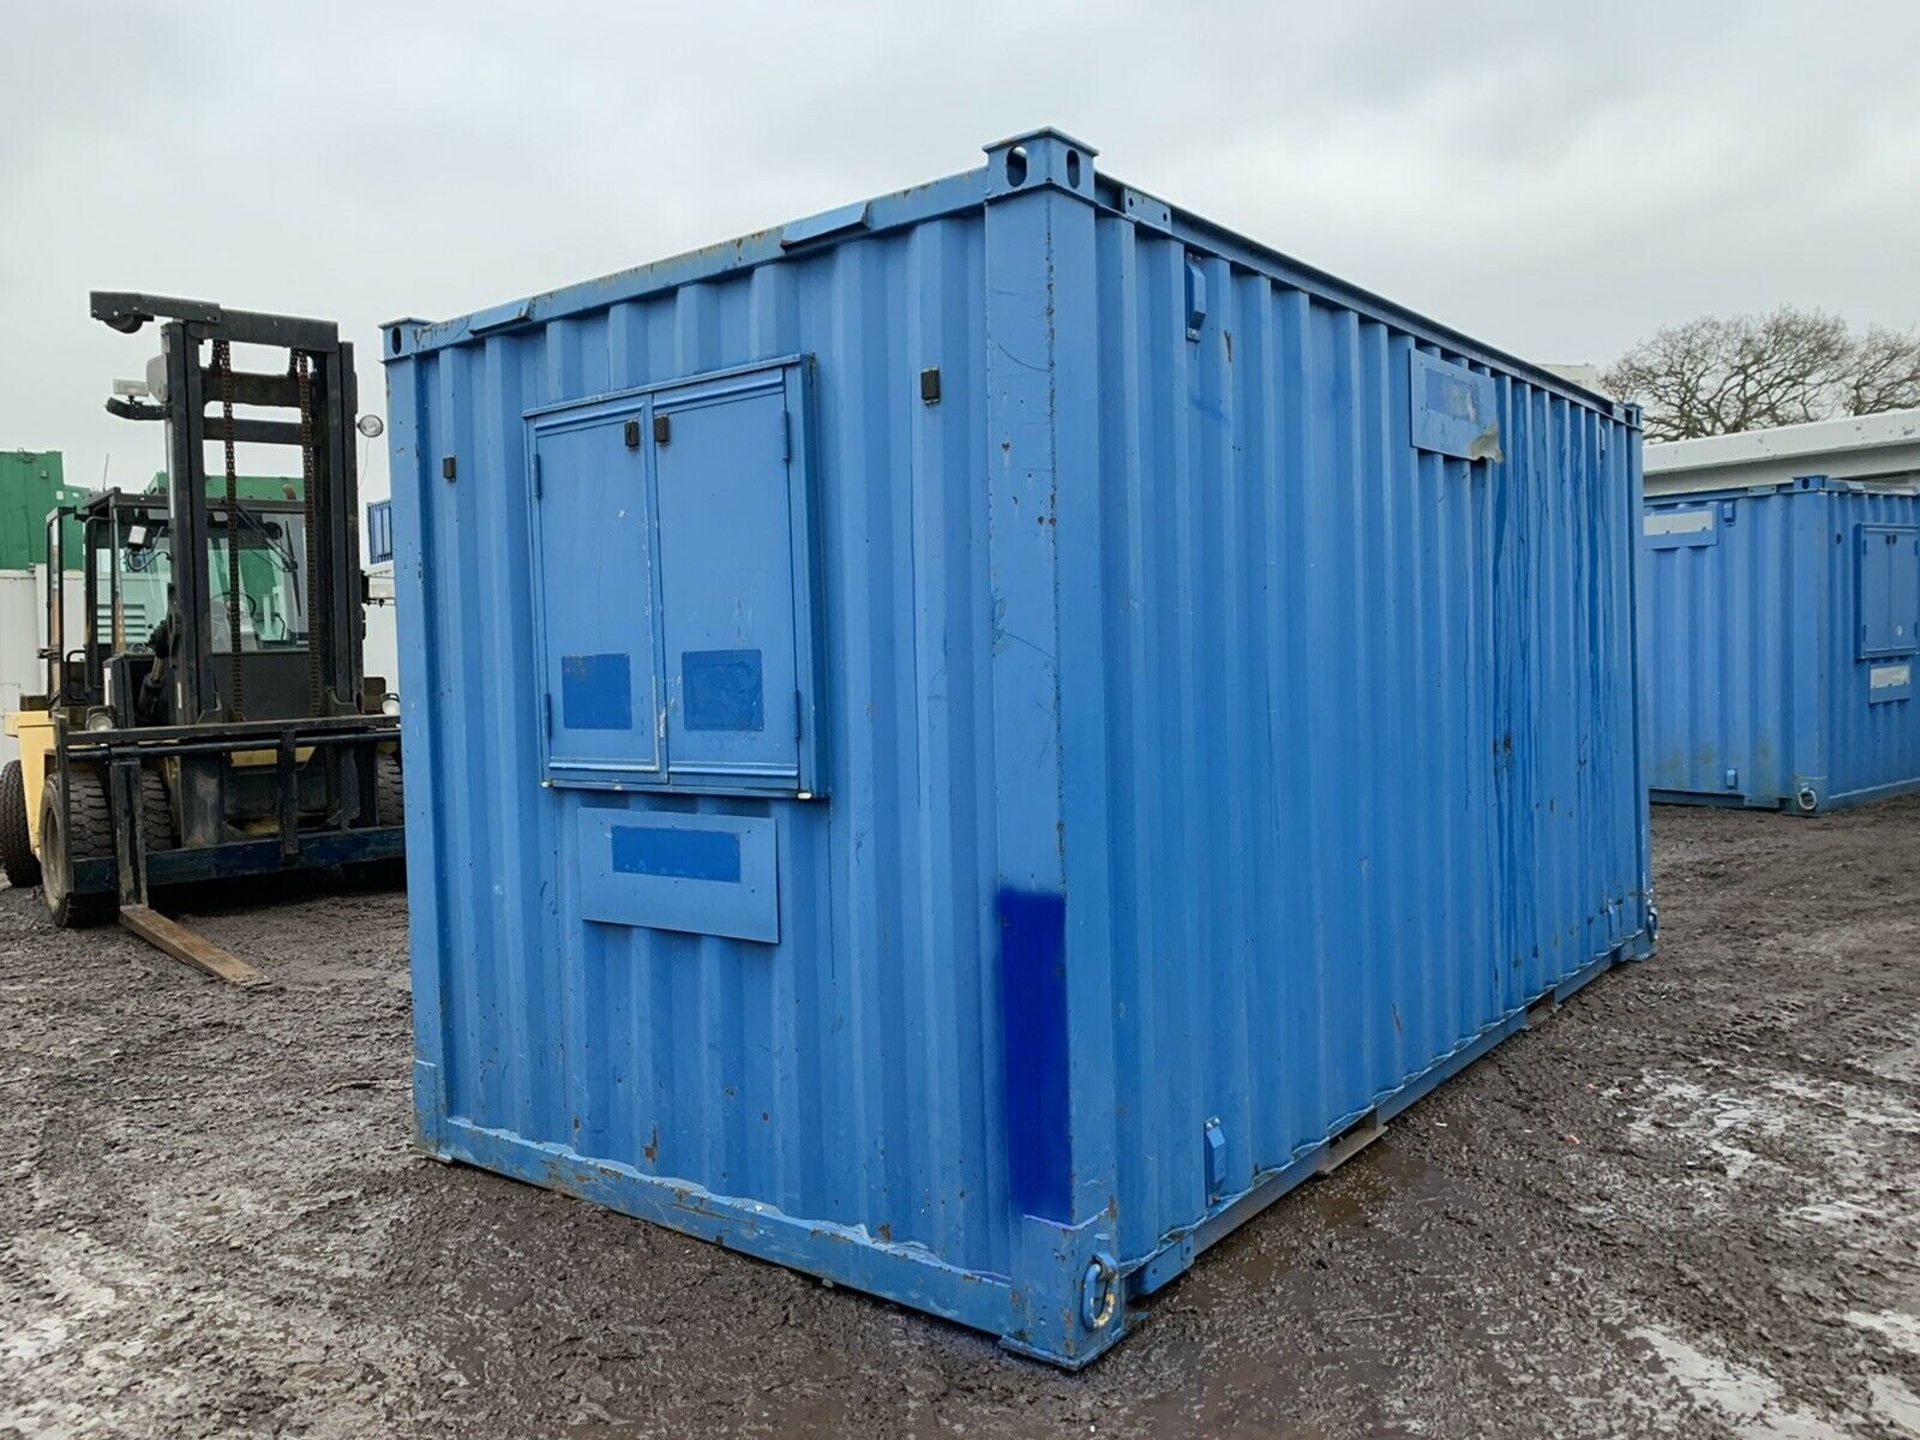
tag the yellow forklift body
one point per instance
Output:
(35, 731)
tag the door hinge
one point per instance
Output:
(786, 436)
(798, 710)
(537, 486)
(546, 714)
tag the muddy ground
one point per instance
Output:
(1687, 1205)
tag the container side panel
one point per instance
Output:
(1727, 585)
(1872, 604)
(1370, 752)
(32, 483)
(850, 1072)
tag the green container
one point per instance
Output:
(250, 487)
(32, 483)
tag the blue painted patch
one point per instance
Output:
(1033, 998)
(722, 690)
(676, 854)
(596, 692)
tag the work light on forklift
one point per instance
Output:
(100, 719)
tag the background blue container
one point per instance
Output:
(1781, 645)
(379, 532)
(973, 741)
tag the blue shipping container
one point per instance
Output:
(973, 741)
(379, 532)
(1782, 626)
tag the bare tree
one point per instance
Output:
(1885, 374)
(1716, 376)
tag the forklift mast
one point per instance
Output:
(317, 390)
(234, 739)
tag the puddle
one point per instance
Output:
(1751, 1403)
(1896, 1327)
(1901, 1064)
(1334, 1248)
(1838, 1212)
(1895, 1403)
(1357, 1194)
(1717, 1120)
(1372, 1202)
(1821, 1146)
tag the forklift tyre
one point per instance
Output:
(16, 843)
(390, 791)
(156, 813)
(389, 808)
(92, 836)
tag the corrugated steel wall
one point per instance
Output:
(32, 483)
(1757, 692)
(1724, 684)
(1368, 714)
(248, 487)
(1873, 747)
(853, 1077)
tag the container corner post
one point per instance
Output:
(1035, 159)
(1069, 1302)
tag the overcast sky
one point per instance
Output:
(1555, 180)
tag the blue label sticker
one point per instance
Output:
(1455, 409)
(721, 690)
(676, 854)
(596, 692)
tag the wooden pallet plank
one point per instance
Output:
(186, 946)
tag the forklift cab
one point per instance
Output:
(132, 634)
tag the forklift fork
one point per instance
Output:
(135, 914)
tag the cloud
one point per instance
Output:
(1556, 181)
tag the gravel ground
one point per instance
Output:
(1685, 1206)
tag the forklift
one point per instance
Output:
(212, 724)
